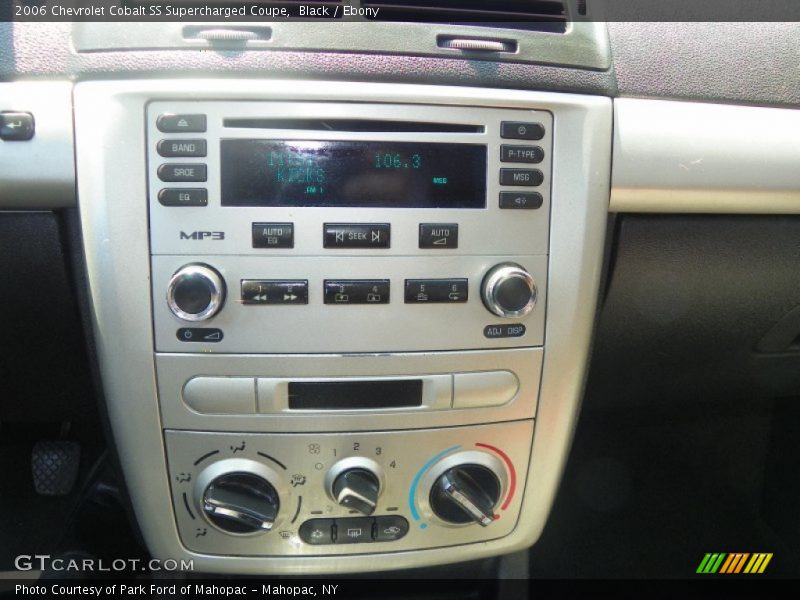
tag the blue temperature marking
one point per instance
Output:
(413, 491)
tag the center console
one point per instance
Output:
(338, 320)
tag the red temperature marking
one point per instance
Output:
(512, 483)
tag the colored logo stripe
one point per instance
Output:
(711, 562)
(758, 563)
(734, 562)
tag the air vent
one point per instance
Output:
(531, 15)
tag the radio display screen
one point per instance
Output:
(294, 173)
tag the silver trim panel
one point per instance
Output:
(39, 173)
(584, 44)
(681, 157)
(112, 190)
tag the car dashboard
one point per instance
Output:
(375, 296)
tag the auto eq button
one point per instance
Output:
(273, 235)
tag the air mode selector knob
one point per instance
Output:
(466, 493)
(241, 503)
(508, 290)
(196, 292)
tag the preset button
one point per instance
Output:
(421, 291)
(357, 291)
(268, 291)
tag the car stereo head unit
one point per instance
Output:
(347, 227)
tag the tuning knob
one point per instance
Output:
(508, 290)
(196, 292)
(355, 483)
(240, 496)
(466, 493)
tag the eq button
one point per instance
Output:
(183, 197)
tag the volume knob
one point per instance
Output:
(195, 292)
(509, 290)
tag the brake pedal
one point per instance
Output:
(55, 467)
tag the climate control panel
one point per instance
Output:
(371, 492)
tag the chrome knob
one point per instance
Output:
(357, 489)
(466, 493)
(355, 483)
(241, 503)
(196, 292)
(508, 290)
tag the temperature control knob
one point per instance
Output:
(196, 292)
(466, 493)
(508, 290)
(241, 503)
(355, 483)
